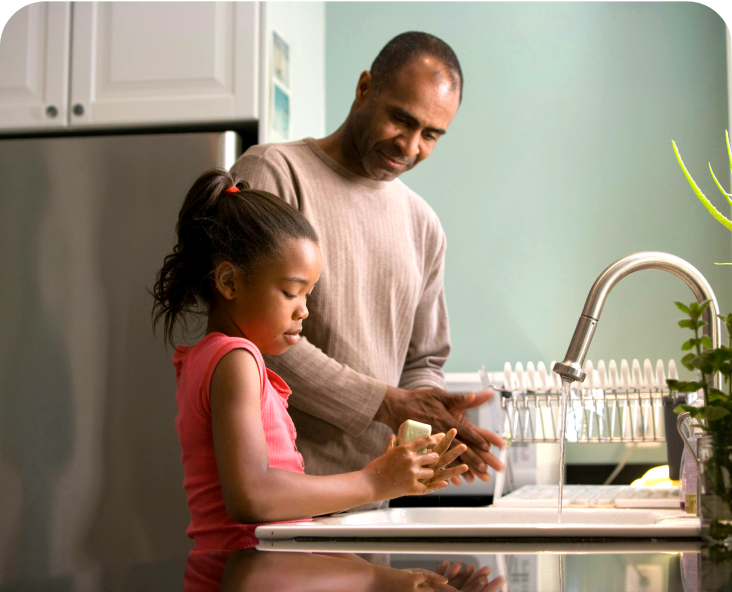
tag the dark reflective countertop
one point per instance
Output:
(374, 566)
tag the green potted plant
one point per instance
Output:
(714, 417)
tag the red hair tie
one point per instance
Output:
(233, 189)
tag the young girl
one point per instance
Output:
(248, 261)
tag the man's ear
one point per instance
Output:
(225, 276)
(365, 86)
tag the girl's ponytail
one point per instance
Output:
(221, 219)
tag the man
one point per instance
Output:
(373, 348)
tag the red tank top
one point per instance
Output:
(211, 526)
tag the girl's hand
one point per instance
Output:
(424, 580)
(447, 456)
(404, 580)
(401, 471)
(468, 579)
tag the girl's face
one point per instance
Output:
(270, 309)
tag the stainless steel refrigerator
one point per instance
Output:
(90, 472)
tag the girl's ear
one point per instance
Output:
(225, 277)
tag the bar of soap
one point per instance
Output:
(410, 430)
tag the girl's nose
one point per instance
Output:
(302, 312)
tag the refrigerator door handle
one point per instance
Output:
(230, 148)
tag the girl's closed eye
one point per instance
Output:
(288, 295)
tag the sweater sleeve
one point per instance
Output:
(327, 389)
(429, 345)
(321, 386)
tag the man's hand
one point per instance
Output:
(444, 411)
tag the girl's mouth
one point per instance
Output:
(292, 338)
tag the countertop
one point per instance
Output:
(379, 566)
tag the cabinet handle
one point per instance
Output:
(78, 109)
(51, 111)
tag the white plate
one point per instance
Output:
(490, 522)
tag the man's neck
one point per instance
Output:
(338, 147)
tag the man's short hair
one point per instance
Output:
(411, 45)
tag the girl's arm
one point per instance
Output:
(255, 493)
(318, 572)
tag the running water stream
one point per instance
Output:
(566, 384)
(561, 573)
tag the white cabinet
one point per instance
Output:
(34, 67)
(163, 62)
(84, 65)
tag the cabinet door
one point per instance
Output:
(34, 67)
(163, 62)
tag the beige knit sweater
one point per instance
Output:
(378, 314)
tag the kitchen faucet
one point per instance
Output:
(571, 368)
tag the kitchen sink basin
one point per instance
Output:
(490, 522)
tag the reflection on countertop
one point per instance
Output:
(332, 572)
(488, 566)
(395, 566)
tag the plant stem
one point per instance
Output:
(703, 376)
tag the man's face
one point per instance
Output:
(397, 127)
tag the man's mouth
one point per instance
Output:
(394, 163)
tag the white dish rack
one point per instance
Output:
(610, 406)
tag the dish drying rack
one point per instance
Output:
(610, 406)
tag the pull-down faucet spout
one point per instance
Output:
(571, 368)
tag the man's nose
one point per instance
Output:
(408, 143)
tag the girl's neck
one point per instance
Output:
(218, 322)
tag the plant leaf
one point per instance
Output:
(706, 342)
(717, 395)
(707, 204)
(682, 307)
(693, 411)
(687, 361)
(713, 360)
(688, 345)
(727, 320)
(726, 195)
(713, 413)
(686, 324)
(682, 386)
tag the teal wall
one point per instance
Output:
(559, 162)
